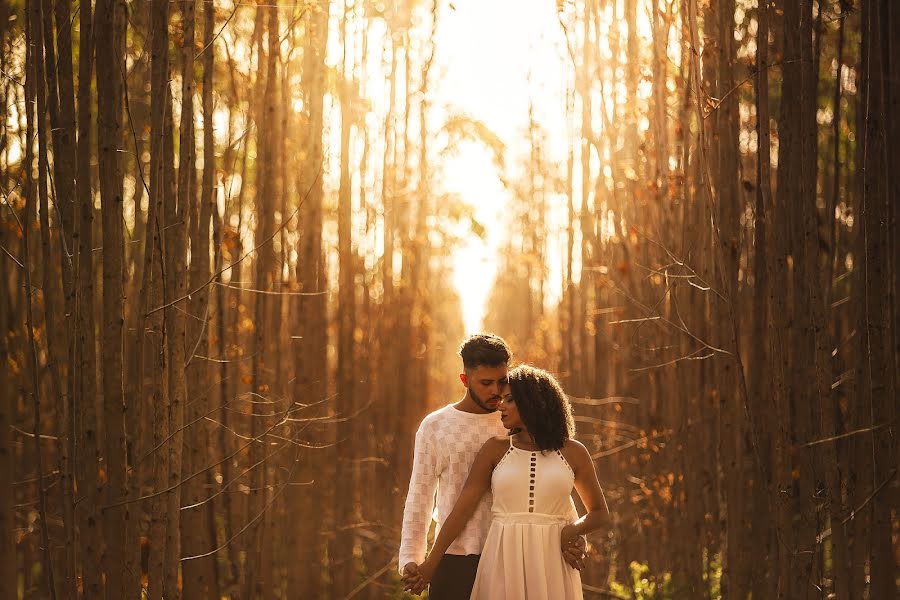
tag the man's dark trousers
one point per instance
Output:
(454, 577)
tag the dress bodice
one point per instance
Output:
(535, 482)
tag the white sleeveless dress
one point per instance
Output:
(522, 558)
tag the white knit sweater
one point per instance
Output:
(446, 444)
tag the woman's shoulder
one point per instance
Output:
(573, 443)
(493, 450)
(496, 445)
(497, 442)
(574, 450)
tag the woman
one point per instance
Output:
(531, 474)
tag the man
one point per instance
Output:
(446, 444)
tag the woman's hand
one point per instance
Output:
(417, 577)
(572, 544)
(568, 535)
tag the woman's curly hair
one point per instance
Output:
(543, 406)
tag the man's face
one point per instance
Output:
(487, 385)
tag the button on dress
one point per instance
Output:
(522, 558)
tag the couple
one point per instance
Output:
(506, 523)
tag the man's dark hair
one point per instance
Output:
(543, 406)
(484, 349)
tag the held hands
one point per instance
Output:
(417, 577)
(412, 579)
(573, 546)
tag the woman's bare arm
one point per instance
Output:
(588, 488)
(477, 483)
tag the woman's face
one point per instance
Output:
(509, 413)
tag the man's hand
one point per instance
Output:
(573, 547)
(412, 579)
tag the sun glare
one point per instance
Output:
(493, 58)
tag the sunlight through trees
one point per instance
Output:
(230, 232)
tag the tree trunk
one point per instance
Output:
(8, 571)
(151, 346)
(345, 489)
(110, 62)
(727, 207)
(155, 375)
(140, 251)
(83, 414)
(263, 362)
(36, 109)
(175, 293)
(762, 418)
(878, 396)
(796, 194)
(311, 376)
(589, 245)
(199, 537)
(67, 200)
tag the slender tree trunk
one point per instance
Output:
(230, 387)
(631, 69)
(878, 396)
(225, 299)
(152, 344)
(35, 108)
(345, 490)
(374, 552)
(139, 254)
(67, 200)
(83, 415)
(8, 572)
(311, 379)
(660, 80)
(175, 293)
(263, 362)
(892, 100)
(707, 445)
(762, 419)
(567, 326)
(199, 575)
(387, 322)
(808, 307)
(729, 206)
(110, 62)
(589, 245)
(8, 558)
(833, 418)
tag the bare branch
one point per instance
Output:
(631, 444)
(371, 578)
(884, 483)
(846, 435)
(604, 401)
(13, 258)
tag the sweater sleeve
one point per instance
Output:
(419, 499)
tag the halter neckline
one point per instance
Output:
(536, 450)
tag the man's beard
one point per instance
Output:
(481, 403)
